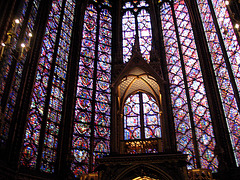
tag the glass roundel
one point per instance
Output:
(141, 117)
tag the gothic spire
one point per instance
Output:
(136, 46)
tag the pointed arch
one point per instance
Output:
(136, 21)
(130, 173)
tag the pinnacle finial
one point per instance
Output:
(136, 46)
(153, 54)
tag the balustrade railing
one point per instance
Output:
(141, 146)
(200, 174)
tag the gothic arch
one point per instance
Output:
(143, 170)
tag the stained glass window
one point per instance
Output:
(189, 101)
(141, 117)
(136, 21)
(221, 63)
(91, 135)
(16, 66)
(190, 98)
(47, 98)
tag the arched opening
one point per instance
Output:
(141, 117)
(144, 178)
(141, 124)
(145, 172)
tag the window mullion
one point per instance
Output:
(136, 23)
(141, 115)
(94, 93)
